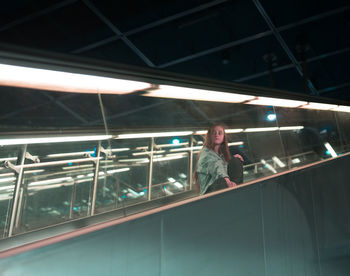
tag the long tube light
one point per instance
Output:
(23, 141)
(261, 129)
(330, 149)
(342, 108)
(319, 106)
(44, 79)
(184, 93)
(155, 134)
(276, 102)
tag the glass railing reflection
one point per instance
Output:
(63, 181)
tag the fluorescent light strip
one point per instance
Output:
(159, 159)
(7, 179)
(22, 141)
(184, 93)
(171, 145)
(276, 102)
(69, 154)
(119, 150)
(8, 159)
(78, 167)
(185, 149)
(147, 152)
(235, 143)
(268, 166)
(262, 129)
(278, 162)
(51, 181)
(44, 79)
(118, 170)
(291, 128)
(319, 106)
(155, 134)
(330, 149)
(237, 130)
(53, 163)
(342, 108)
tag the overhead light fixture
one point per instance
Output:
(155, 134)
(200, 132)
(342, 108)
(261, 129)
(185, 93)
(319, 106)
(147, 152)
(40, 140)
(171, 145)
(276, 102)
(43, 79)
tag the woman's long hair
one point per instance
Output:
(223, 149)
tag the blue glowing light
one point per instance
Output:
(327, 152)
(70, 164)
(124, 196)
(175, 141)
(271, 117)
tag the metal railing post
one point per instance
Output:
(14, 205)
(150, 169)
(94, 191)
(190, 170)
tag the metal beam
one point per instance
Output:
(253, 37)
(36, 14)
(150, 25)
(284, 44)
(332, 88)
(118, 32)
(291, 65)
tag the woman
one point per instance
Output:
(215, 168)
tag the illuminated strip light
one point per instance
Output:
(155, 134)
(118, 170)
(268, 166)
(171, 145)
(7, 179)
(188, 148)
(319, 106)
(342, 108)
(276, 102)
(159, 159)
(51, 181)
(68, 154)
(53, 163)
(23, 141)
(119, 150)
(291, 128)
(8, 159)
(147, 152)
(78, 167)
(133, 160)
(330, 149)
(236, 130)
(235, 143)
(53, 80)
(262, 129)
(184, 93)
(278, 162)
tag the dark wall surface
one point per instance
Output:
(294, 224)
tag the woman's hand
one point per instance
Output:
(230, 183)
(239, 157)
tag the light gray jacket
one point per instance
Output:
(211, 167)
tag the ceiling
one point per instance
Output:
(294, 45)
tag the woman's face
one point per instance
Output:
(217, 135)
